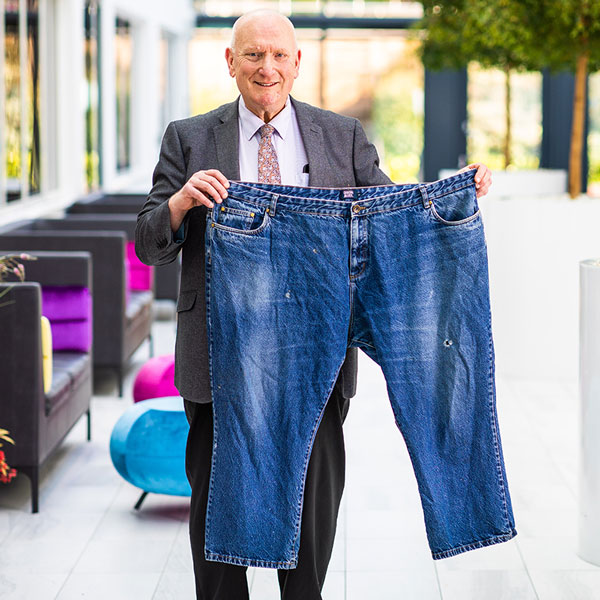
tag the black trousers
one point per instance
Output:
(322, 496)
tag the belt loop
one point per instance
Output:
(424, 196)
(272, 205)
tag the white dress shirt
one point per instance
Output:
(287, 141)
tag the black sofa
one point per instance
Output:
(121, 321)
(38, 421)
(166, 282)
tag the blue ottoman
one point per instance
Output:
(147, 447)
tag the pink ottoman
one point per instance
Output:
(155, 379)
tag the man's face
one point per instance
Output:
(264, 63)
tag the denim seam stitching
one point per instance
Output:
(497, 539)
(250, 562)
(451, 190)
(249, 232)
(452, 223)
(215, 424)
(307, 459)
(491, 406)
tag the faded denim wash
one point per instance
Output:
(294, 276)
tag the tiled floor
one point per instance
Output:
(87, 542)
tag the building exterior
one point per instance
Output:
(86, 89)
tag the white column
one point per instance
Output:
(145, 105)
(589, 387)
(70, 86)
(180, 93)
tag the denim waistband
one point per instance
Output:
(342, 201)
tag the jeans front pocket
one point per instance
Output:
(457, 207)
(240, 217)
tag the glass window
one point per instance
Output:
(22, 100)
(12, 103)
(32, 100)
(93, 147)
(123, 54)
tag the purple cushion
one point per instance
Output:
(139, 275)
(69, 310)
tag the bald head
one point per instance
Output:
(264, 60)
(261, 19)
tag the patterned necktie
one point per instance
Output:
(268, 166)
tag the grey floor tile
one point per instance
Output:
(30, 585)
(387, 555)
(491, 585)
(398, 584)
(553, 553)
(124, 556)
(175, 586)
(116, 586)
(566, 585)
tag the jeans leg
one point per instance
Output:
(214, 580)
(322, 496)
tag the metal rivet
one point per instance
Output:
(251, 214)
(212, 224)
(268, 210)
(222, 209)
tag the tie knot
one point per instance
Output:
(266, 131)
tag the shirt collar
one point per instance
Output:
(251, 123)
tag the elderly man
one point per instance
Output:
(263, 136)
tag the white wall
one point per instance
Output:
(534, 248)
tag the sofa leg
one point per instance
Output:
(34, 478)
(151, 342)
(120, 380)
(138, 504)
(89, 424)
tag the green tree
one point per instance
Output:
(569, 32)
(520, 34)
(495, 33)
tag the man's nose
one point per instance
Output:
(268, 65)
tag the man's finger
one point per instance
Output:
(199, 197)
(206, 186)
(217, 184)
(218, 175)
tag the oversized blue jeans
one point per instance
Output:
(296, 275)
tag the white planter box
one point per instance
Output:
(538, 182)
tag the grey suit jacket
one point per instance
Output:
(339, 155)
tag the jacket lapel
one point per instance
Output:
(227, 142)
(312, 136)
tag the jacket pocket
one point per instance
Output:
(186, 300)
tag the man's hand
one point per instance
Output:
(483, 178)
(203, 188)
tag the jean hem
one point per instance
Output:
(250, 562)
(498, 539)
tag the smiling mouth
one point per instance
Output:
(265, 84)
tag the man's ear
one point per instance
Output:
(229, 59)
(298, 57)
